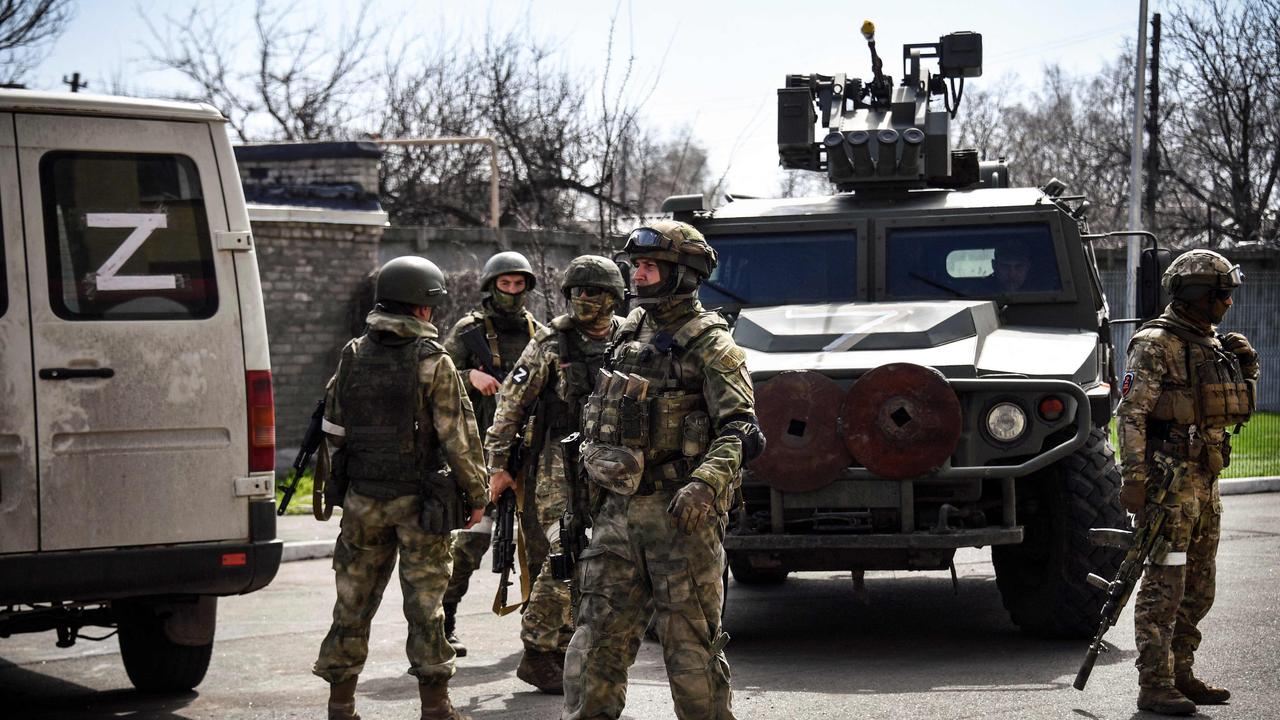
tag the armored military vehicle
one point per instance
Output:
(931, 351)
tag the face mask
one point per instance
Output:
(507, 302)
(594, 311)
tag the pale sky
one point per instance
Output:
(717, 63)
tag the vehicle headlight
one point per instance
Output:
(1006, 422)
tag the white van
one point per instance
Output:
(137, 433)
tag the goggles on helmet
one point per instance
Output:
(1233, 277)
(644, 237)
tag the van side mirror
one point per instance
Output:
(1152, 297)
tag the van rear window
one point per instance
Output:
(126, 237)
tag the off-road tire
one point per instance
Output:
(1042, 580)
(155, 663)
(746, 574)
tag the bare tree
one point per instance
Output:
(652, 167)
(302, 86)
(1222, 147)
(27, 28)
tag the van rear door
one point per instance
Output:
(140, 389)
(18, 516)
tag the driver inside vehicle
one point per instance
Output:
(1010, 266)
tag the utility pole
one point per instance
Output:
(1135, 160)
(74, 82)
(1153, 127)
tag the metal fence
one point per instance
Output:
(1256, 313)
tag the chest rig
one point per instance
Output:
(391, 444)
(1211, 391)
(651, 400)
(580, 360)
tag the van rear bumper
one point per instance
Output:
(221, 568)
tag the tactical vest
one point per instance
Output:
(572, 381)
(1214, 394)
(672, 422)
(391, 445)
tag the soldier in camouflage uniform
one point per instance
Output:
(394, 411)
(666, 456)
(485, 345)
(1184, 386)
(550, 382)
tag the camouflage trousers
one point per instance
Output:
(372, 532)
(639, 562)
(1177, 590)
(545, 625)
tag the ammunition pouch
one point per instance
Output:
(615, 468)
(444, 509)
(633, 423)
(1228, 403)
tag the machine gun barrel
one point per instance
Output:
(310, 445)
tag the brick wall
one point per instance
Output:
(310, 271)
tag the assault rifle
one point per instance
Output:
(310, 445)
(504, 542)
(522, 465)
(1144, 542)
(576, 518)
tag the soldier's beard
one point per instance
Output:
(594, 314)
(508, 302)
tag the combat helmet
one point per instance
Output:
(678, 245)
(674, 242)
(1195, 273)
(411, 280)
(507, 263)
(593, 271)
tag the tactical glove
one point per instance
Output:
(1133, 495)
(1238, 345)
(691, 506)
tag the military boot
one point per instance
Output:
(450, 626)
(342, 700)
(543, 669)
(1164, 700)
(436, 704)
(1197, 691)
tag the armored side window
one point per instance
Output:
(127, 237)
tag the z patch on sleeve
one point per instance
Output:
(520, 374)
(1127, 384)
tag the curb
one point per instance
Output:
(1246, 486)
(308, 550)
(317, 549)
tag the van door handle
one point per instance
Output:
(69, 373)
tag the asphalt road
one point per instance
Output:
(807, 649)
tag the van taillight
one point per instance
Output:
(262, 421)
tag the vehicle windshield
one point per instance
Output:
(971, 261)
(783, 267)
